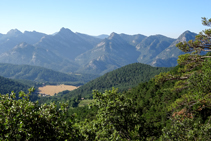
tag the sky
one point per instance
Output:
(94, 17)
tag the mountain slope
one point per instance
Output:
(168, 57)
(8, 85)
(80, 53)
(152, 46)
(111, 53)
(40, 74)
(14, 37)
(92, 40)
(31, 55)
(132, 39)
(65, 44)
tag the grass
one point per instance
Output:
(85, 102)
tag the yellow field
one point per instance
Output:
(51, 89)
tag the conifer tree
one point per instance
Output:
(191, 112)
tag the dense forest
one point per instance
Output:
(8, 85)
(174, 105)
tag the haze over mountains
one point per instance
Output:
(66, 51)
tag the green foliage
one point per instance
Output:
(85, 102)
(190, 119)
(83, 113)
(25, 120)
(190, 112)
(139, 114)
(116, 118)
(188, 130)
(8, 85)
(206, 21)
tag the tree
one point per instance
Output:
(24, 120)
(191, 112)
(116, 119)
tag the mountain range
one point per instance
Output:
(66, 51)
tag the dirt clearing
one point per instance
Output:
(51, 89)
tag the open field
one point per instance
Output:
(85, 102)
(51, 89)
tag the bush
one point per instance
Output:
(25, 120)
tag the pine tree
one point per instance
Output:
(191, 113)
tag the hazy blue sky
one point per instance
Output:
(94, 17)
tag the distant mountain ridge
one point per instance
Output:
(152, 46)
(171, 53)
(65, 44)
(67, 51)
(40, 74)
(111, 51)
(15, 37)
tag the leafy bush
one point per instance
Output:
(24, 120)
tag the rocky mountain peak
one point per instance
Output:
(187, 31)
(113, 35)
(65, 31)
(186, 36)
(14, 32)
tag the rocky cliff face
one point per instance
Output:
(171, 53)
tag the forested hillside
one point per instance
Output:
(123, 78)
(8, 85)
(40, 74)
